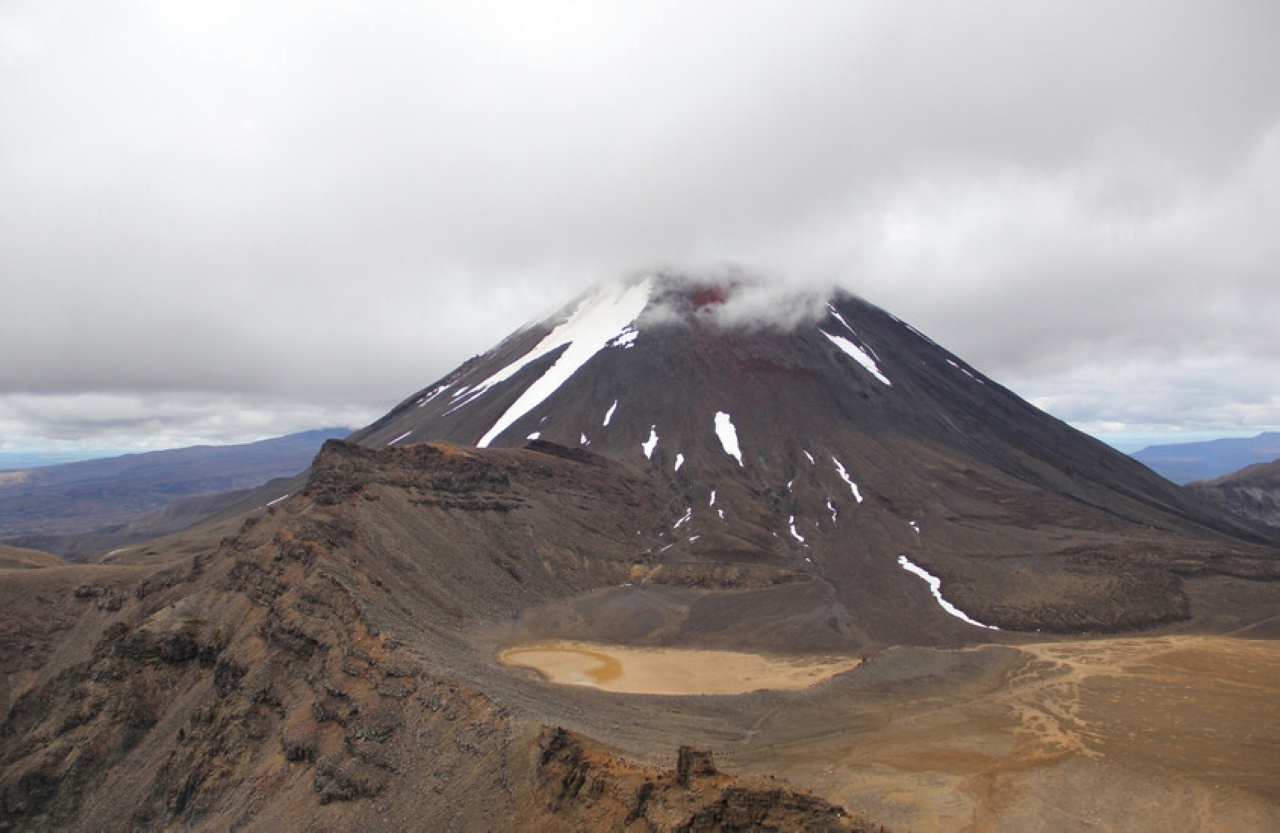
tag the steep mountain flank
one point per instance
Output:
(1252, 493)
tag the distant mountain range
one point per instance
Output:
(10, 460)
(78, 509)
(1186, 462)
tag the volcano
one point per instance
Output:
(827, 438)
(837, 552)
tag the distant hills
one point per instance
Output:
(1186, 462)
(78, 509)
(10, 460)
(16, 558)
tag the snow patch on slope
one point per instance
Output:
(596, 322)
(728, 436)
(859, 355)
(679, 461)
(836, 313)
(650, 444)
(609, 414)
(935, 587)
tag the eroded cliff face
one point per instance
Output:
(291, 675)
(1252, 493)
(238, 687)
(588, 788)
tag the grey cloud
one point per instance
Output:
(139, 421)
(332, 204)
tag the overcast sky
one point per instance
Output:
(221, 221)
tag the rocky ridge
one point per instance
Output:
(279, 678)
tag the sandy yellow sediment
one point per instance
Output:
(673, 671)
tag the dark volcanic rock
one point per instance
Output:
(592, 790)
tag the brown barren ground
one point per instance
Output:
(1158, 733)
(1145, 733)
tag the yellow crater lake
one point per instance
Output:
(628, 670)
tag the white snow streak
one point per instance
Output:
(597, 321)
(832, 509)
(609, 414)
(688, 513)
(963, 370)
(679, 461)
(713, 498)
(791, 524)
(536, 435)
(812, 462)
(835, 312)
(935, 586)
(728, 436)
(277, 500)
(650, 444)
(582, 440)
(466, 400)
(399, 438)
(859, 355)
(844, 475)
(913, 526)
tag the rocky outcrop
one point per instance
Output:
(1252, 493)
(587, 788)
